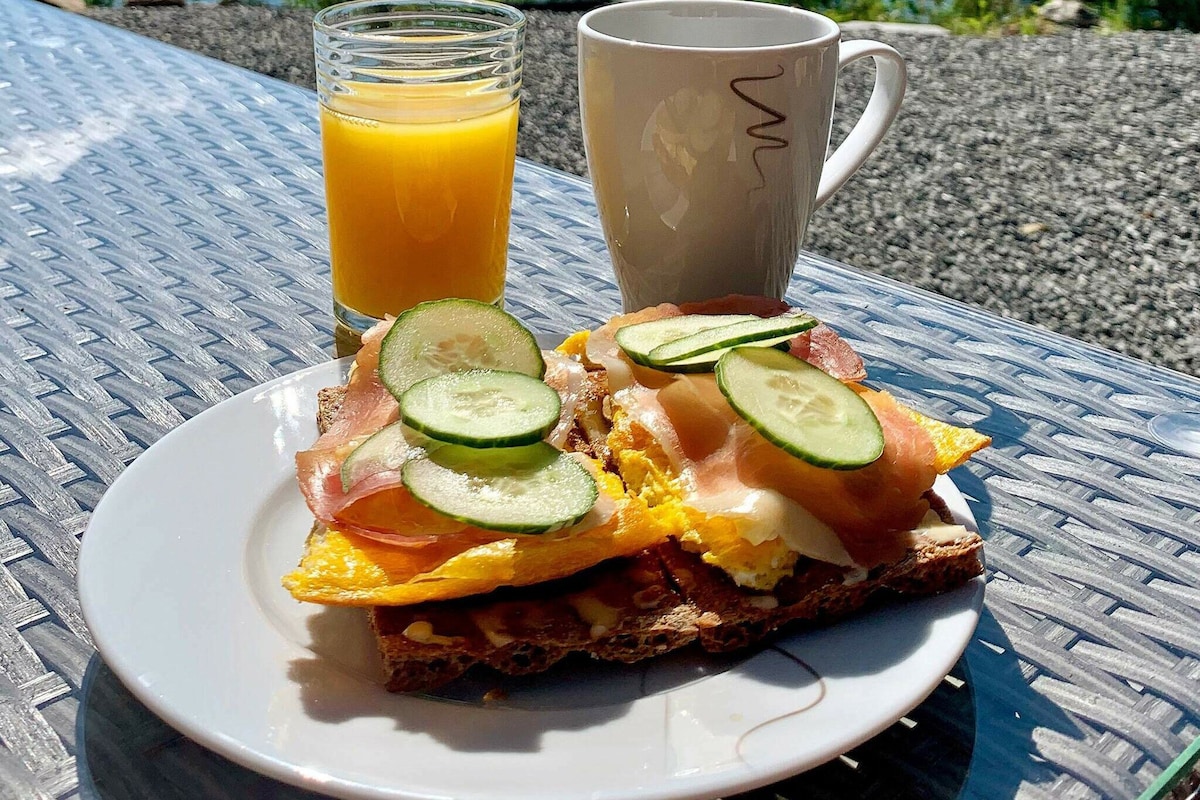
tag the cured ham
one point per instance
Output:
(867, 507)
(707, 442)
(568, 377)
(377, 505)
(368, 405)
(603, 351)
(828, 352)
(718, 454)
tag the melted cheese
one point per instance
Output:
(933, 529)
(761, 515)
(598, 615)
(490, 622)
(421, 632)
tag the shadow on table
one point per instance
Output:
(1001, 424)
(1014, 721)
(973, 738)
(125, 752)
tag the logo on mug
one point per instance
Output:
(758, 131)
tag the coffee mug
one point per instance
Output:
(706, 125)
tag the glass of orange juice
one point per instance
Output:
(418, 105)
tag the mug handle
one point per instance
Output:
(891, 79)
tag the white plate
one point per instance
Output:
(179, 580)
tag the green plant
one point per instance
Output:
(977, 17)
(1160, 14)
(1115, 17)
(1180, 14)
(311, 5)
(1029, 24)
(973, 17)
(1140, 15)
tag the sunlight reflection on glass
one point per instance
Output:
(1179, 430)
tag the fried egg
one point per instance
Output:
(340, 568)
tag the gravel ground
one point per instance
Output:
(1052, 179)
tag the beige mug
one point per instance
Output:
(706, 125)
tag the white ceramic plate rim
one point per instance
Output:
(172, 586)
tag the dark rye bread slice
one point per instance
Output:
(622, 610)
(630, 609)
(732, 617)
(329, 403)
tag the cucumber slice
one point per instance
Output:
(639, 339)
(481, 408)
(532, 489)
(705, 362)
(767, 331)
(799, 408)
(386, 450)
(455, 335)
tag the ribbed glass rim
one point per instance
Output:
(334, 20)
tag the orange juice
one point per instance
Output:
(418, 183)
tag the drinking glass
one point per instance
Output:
(1179, 430)
(418, 104)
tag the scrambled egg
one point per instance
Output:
(575, 345)
(345, 569)
(648, 473)
(954, 445)
(738, 545)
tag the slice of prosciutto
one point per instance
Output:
(872, 508)
(717, 453)
(377, 505)
(828, 352)
(603, 350)
(568, 377)
(367, 405)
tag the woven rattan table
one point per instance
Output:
(162, 247)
